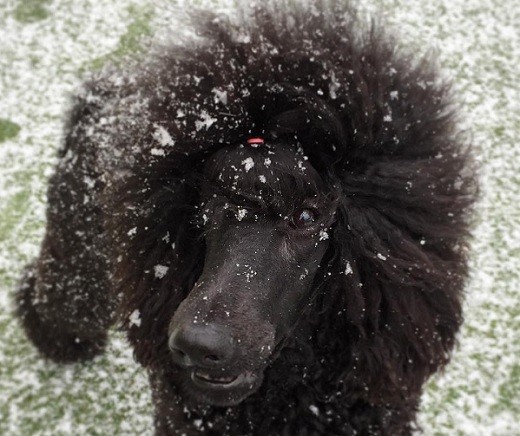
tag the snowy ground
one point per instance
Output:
(46, 44)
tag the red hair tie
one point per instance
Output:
(256, 141)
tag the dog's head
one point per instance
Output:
(266, 213)
(382, 205)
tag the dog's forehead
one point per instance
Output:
(264, 170)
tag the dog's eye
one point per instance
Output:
(303, 218)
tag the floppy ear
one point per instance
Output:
(158, 254)
(401, 264)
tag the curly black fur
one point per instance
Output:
(380, 132)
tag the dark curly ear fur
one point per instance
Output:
(61, 346)
(379, 128)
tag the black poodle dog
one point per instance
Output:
(277, 212)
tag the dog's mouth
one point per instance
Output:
(209, 387)
(205, 379)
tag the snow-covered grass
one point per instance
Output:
(45, 46)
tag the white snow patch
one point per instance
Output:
(198, 423)
(90, 182)
(220, 96)
(162, 136)
(241, 213)
(157, 151)
(160, 271)
(135, 318)
(248, 163)
(166, 238)
(334, 86)
(206, 121)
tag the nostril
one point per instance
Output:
(211, 358)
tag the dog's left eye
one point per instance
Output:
(303, 218)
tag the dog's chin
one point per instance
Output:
(199, 388)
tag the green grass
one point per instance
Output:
(30, 11)
(8, 130)
(131, 42)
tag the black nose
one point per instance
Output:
(207, 345)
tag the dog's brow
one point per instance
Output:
(238, 197)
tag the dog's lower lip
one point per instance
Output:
(219, 393)
(208, 378)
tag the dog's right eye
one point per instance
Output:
(303, 218)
